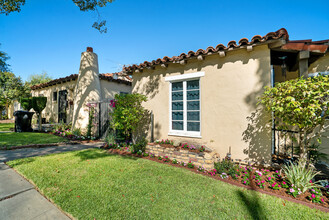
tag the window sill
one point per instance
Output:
(184, 135)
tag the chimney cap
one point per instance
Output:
(90, 49)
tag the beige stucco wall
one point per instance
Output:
(51, 110)
(228, 97)
(321, 65)
(110, 89)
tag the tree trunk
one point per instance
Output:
(302, 147)
(40, 123)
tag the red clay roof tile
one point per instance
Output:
(282, 33)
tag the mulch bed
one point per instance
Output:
(281, 193)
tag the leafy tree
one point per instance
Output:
(128, 113)
(39, 104)
(9, 6)
(4, 67)
(36, 79)
(301, 105)
(11, 88)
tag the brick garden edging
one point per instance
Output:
(205, 159)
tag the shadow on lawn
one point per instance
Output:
(95, 154)
(22, 161)
(252, 203)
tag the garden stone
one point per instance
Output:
(176, 143)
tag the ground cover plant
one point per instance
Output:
(8, 140)
(7, 126)
(108, 186)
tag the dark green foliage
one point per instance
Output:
(128, 113)
(8, 6)
(228, 167)
(39, 104)
(26, 103)
(140, 145)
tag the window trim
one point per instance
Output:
(184, 78)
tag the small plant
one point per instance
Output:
(183, 164)
(165, 159)
(190, 165)
(277, 174)
(275, 186)
(152, 155)
(315, 196)
(294, 191)
(270, 179)
(167, 141)
(212, 172)
(223, 176)
(139, 153)
(260, 183)
(202, 148)
(201, 169)
(159, 158)
(192, 147)
(300, 176)
(285, 185)
(145, 154)
(174, 161)
(185, 146)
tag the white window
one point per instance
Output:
(185, 105)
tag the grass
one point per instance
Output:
(92, 184)
(6, 126)
(26, 138)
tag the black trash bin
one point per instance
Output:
(23, 121)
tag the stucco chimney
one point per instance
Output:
(87, 89)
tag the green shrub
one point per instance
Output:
(110, 139)
(26, 103)
(140, 145)
(76, 132)
(299, 176)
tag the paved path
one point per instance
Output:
(18, 198)
(7, 155)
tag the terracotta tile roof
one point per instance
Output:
(312, 46)
(105, 76)
(257, 39)
(55, 81)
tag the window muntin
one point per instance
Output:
(185, 106)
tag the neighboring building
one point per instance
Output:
(68, 96)
(209, 97)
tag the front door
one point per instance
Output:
(62, 104)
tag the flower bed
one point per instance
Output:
(184, 154)
(263, 180)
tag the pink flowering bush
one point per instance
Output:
(166, 141)
(201, 169)
(285, 185)
(190, 165)
(294, 191)
(192, 147)
(202, 148)
(212, 172)
(185, 146)
(165, 159)
(275, 186)
(315, 196)
(270, 179)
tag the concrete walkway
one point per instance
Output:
(7, 155)
(18, 198)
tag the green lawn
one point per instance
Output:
(6, 126)
(26, 138)
(92, 184)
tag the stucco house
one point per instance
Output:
(68, 96)
(209, 97)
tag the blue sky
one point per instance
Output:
(50, 35)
